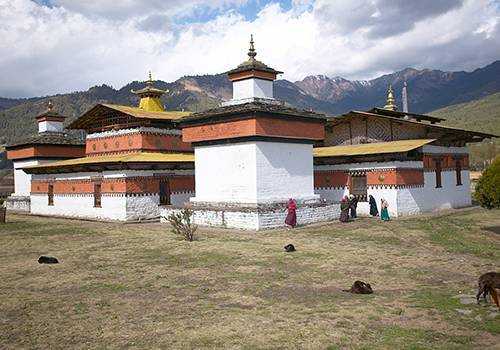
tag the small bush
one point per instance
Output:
(488, 186)
(2, 201)
(181, 224)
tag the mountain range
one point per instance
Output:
(428, 90)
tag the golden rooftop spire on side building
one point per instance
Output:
(150, 96)
(389, 104)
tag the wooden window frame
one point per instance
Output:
(167, 198)
(458, 171)
(362, 197)
(438, 171)
(97, 194)
(50, 194)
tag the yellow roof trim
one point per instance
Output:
(141, 113)
(140, 157)
(370, 148)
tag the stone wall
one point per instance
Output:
(18, 203)
(257, 218)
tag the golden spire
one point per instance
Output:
(389, 104)
(49, 106)
(251, 51)
(150, 96)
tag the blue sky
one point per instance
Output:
(56, 46)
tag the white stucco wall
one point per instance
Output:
(258, 219)
(22, 181)
(113, 206)
(253, 87)
(429, 198)
(413, 199)
(254, 172)
(50, 126)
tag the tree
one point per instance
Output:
(488, 186)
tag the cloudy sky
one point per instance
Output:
(57, 46)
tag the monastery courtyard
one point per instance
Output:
(140, 286)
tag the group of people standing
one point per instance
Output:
(348, 207)
(349, 204)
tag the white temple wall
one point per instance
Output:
(254, 172)
(253, 87)
(22, 181)
(225, 173)
(284, 170)
(49, 125)
(80, 206)
(142, 207)
(429, 198)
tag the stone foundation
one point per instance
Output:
(258, 217)
(18, 203)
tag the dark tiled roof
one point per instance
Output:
(51, 138)
(253, 107)
(399, 114)
(253, 65)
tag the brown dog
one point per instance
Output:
(360, 287)
(487, 283)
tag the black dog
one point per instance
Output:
(360, 287)
(289, 248)
(47, 260)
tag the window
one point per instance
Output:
(164, 192)
(97, 195)
(458, 170)
(358, 187)
(50, 194)
(438, 172)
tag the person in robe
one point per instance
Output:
(373, 206)
(353, 205)
(291, 217)
(344, 209)
(384, 213)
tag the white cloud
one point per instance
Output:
(74, 45)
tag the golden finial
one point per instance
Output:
(389, 104)
(251, 51)
(150, 79)
(50, 105)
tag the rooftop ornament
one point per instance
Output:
(150, 96)
(389, 104)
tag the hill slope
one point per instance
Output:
(480, 115)
(428, 90)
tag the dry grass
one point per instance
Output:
(139, 286)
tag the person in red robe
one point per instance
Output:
(291, 217)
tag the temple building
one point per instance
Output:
(238, 164)
(134, 161)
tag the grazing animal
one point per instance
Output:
(289, 248)
(487, 283)
(360, 287)
(47, 260)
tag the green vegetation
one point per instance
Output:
(487, 191)
(134, 286)
(478, 115)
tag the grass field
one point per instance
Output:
(138, 286)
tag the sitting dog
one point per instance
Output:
(47, 260)
(289, 248)
(487, 283)
(360, 287)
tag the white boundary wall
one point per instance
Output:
(255, 220)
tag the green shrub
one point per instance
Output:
(488, 186)
(182, 225)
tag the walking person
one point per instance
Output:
(291, 217)
(344, 209)
(384, 213)
(353, 205)
(373, 206)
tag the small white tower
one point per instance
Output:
(50, 121)
(252, 80)
(404, 95)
